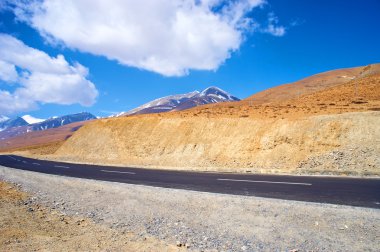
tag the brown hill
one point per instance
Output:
(330, 130)
(359, 94)
(42, 142)
(313, 84)
(310, 134)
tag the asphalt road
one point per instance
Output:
(364, 192)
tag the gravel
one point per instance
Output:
(206, 221)
(345, 161)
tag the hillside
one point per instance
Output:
(331, 130)
(41, 142)
(357, 95)
(313, 84)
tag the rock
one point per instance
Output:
(244, 248)
(179, 244)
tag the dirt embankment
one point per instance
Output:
(260, 145)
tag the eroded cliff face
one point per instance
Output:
(238, 144)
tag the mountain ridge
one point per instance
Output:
(20, 126)
(179, 102)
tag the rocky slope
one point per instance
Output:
(240, 144)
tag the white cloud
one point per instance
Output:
(164, 36)
(8, 72)
(40, 78)
(273, 27)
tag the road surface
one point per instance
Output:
(364, 192)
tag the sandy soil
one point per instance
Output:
(26, 225)
(204, 221)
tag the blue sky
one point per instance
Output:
(308, 37)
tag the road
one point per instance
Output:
(364, 192)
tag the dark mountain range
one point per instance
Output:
(6, 123)
(20, 126)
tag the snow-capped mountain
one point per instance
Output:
(55, 122)
(207, 96)
(183, 101)
(10, 123)
(30, 119)
(19, 126)
(3, 118)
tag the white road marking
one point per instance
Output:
(36, 163)
(24, 162)
(61, 166)
(12, 157)
(267, 182)
(122, 172)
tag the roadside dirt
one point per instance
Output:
(26, 225)
(116, 213)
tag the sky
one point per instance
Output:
(60, 57)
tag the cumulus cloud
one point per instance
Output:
(40, 78)
(164, 36)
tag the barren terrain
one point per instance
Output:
(28, 225)
(324, 124)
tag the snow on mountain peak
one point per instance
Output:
(3, 118)
(30, 119)
(183, 101)
(217, 92)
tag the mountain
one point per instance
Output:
(207, 96)
(11, 130)
(30, 119)
(183, 101)
(3, 118)
(10, 123)
(51, 138)
(56, 122)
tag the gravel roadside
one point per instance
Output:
(206, 221)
